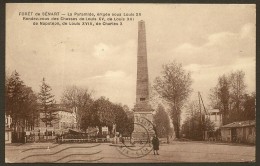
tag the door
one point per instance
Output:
(233, 135)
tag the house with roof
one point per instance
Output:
(65, 118)
(8, 130)
(241, 132)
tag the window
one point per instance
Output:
(6, 120)
(142, 99)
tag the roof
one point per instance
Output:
(58, 107)
(240, 124)
(213, 110)
(7, 128)
(71, 131)
(90, 130)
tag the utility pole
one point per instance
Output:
(200, 107)
(201, 117)
(115, 134)
(206, 116)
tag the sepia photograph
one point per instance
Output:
(130, 83)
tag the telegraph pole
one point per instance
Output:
(201, 117)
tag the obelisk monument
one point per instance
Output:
(142, 107)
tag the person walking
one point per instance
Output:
(155, 143)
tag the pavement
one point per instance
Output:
(104, 153)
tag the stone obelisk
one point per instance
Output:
(142, 107)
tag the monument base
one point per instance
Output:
(143, 127)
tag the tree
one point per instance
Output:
(7, 94)
(193, 127)
(155, 99)
(214, 98)
(30, 107)
(237, 91)
(47, 101)
(130, 121)
(80, 101)
(14, 91)
(220, 97)
(162, 122)
(20, 104)
(196, 124)
(102, 114)
(224, 96)
(249, 107)
(174, 86)
(121, 119)
(192, 108)
(229, 95)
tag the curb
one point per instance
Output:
(121, 145)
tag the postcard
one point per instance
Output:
(130, 83)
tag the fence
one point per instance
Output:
(99, 140)
(41, 138)
(18, 137)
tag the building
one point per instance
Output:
(214, 116)
(8, 130)
(243, 131)
(105, 130)
(16, 134)
(64, 119)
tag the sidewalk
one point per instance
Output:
(213, 142)
(31, 144)
(14, 144)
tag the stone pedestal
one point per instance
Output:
(143, 127)
(143, 122)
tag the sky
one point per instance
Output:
(209, 41)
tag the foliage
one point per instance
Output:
(229, 95)
(193, 127)
(92, 113)
(20, 101)
(129, 122)
(162, 122)
(14, 89)
(174, 86)
(30, 106)
(47, 101)
(121, 119)
(80, 101)
(106, 113)
(195, 123)
(102, 113)
(249, 109)
(22, 104)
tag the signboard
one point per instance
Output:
(104, 129)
